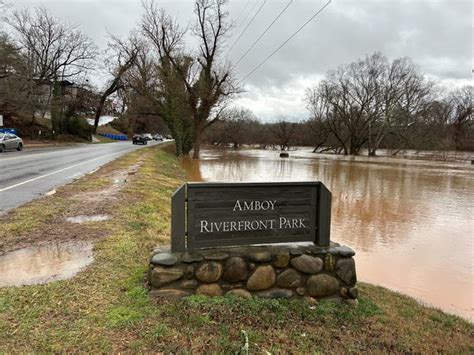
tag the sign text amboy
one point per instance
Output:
(224, 214)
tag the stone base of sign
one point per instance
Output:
(273, 271)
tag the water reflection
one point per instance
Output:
(44, 263)
(85, 219)
(412, 219)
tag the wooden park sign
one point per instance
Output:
(206, 215)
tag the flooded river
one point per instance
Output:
(410, 222)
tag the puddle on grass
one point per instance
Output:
(44, 263)
(85, 219)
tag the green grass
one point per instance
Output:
(102, 139)
(107, 308)
(29, 218)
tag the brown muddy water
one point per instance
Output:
(44, 263)
(410, 222)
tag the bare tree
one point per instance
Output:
(55, 51)
(317, 126)
(283, 132)
(363, 102)
(13, 83)
(237, 126)
(461, 119)
(208, 84)
(402, 95)
(124, 57)
(154, 94)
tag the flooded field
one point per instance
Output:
(413, 217)
(44, 263)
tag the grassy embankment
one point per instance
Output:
(107, 307)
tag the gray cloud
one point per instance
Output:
(437, 35)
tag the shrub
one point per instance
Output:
(78, 126)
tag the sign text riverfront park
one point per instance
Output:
(224, 214)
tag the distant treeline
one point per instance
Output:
(369, 104)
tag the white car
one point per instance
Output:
(10, 141)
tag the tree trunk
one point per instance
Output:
(98, 112)
(178, 142)
(197, 143)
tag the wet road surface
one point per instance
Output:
(29, 174)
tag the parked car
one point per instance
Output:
(139, 139)
(148, 136)
(10, 141)
(157, 137)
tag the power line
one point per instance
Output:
(242, 12)
(285, 42)
(245, 29)
(247, 14)
(243, 19)
(263, 34)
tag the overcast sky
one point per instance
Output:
(437, 35)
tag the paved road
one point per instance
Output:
(29, 174)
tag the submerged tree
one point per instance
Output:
(460, 118)
(237, 126)
(283, 133)
(207, 83)
(365, 101)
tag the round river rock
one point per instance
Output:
(161, 276)
(216, 256)
(262, 278)
(322, 285)
(189, 284)
(209, 290)
(240, 292)
(165, 259)
(343, 251)
(345, 269)
(235, 269)
(289, 278)
(275, 293)
(191, 257)
(354, 292)
(281, 259)
(307, 264)
(209, 272)
(259, 256)
(169, 293)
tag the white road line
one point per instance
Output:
(36, 153)
(57, 171)
(28, 154)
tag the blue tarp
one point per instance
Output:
(117, 137)
(8, 130)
